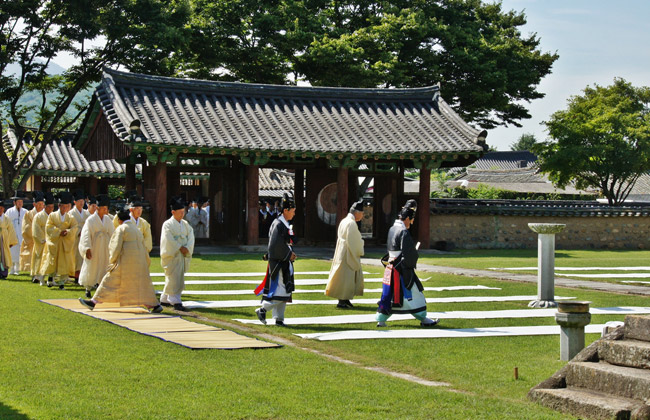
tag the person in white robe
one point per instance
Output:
(198, 219)
(127, 281)
(81, 215)
(61, 233)
(7, 239)
(93, 245)
(39, 236)
(346, 275)
(176, 248)
(28, 241)
(16, 215)
(91, 203)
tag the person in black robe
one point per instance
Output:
(278, 283)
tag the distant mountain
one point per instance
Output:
(52, 68)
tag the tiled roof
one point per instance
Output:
(60, 158)
(257, 117)
(500, 161)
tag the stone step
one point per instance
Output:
(590, 404)
(615, 380)
(637, 327)
(632, 353)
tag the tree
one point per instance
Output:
(525, 142)
(602, 140)
(486, 67)
(135, 33)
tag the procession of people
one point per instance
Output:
(81, 242)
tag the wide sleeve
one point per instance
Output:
(11, 234)
(190, 240)
(38, 231)
(115, 246)
(146, 232)
(52, 228)
(70, 239)
(85, 241)
(278, 238)
(409, 252)
(27, 226)
(355, 246)
(168, 245)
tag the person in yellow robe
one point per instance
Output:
(8, 239)
(127, 281)
(93, 245)
(81, 215)
(134, 204)
(61, 234)
(346, 276)
(28, 241)
(39, 236)
(176, 247)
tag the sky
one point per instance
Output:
(597, 41)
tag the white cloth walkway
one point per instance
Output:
(640, 268)
(261, 275)
(609, 275)
(298, 282)
(250, 291)
(256, 302)
(638, 281)
(514, 313)
(443, 333)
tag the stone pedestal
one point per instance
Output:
(545, 263)
(572, 316)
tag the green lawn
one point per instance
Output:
(56, 364)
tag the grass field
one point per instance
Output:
(56, 364)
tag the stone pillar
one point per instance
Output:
(424, 209)
(572, 316)
(545, 263)
(342, 206)
(252, 204)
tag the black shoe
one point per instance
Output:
(261, 315)
(341, 305)
(279, 323)
(430, 324)
(88, 293)
(180, 307)
(87, 303)
(49, 284)
(61, 287)
(169, 305)
(157, 309)
(350, 305)
(34, 280)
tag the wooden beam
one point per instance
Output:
(341, 193)
(252, 204)
(424, 208)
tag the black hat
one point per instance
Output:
(38, 196)
(406, 212)
(357, 206)
(288, 202)
(79, 195)
(135, 201)
(124, 214)
(20, 195)
(65, 197)
(177, 203)
(49, 198)
(91, 199)
(411, 204)
(103, 200)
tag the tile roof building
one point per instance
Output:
(234, 129)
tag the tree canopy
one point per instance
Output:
(525, 142)
(601, 140)
(34, 32)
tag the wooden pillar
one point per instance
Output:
(38, 184)
(252, 204)
(159, 205)
(93, 186)
(341, 194)
(215, 191)
(129, 180)
(174, 185)
(424, 208)
(298, 193)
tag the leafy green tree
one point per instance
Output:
(486, 67)
(525, 142)
(601, 140)
(138, 34)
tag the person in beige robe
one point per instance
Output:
(28, 241)
(39, 236)
(61, 234)
(346, 275)
(8, 239)
(134, 204)
(81, 215)
(176, 247)
(127, 281)
(93, 245)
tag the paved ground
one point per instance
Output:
(327, 253)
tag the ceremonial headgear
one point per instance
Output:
(412, 204)
(288, 202)
(357, 206)
(49, 198)
(20, 195)
(406, 212)
(38, 196)
(124, 214)
(79, 195)
(103, 200)
(177, 203)
(65, 197)
(92, 199)
(135, 201)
